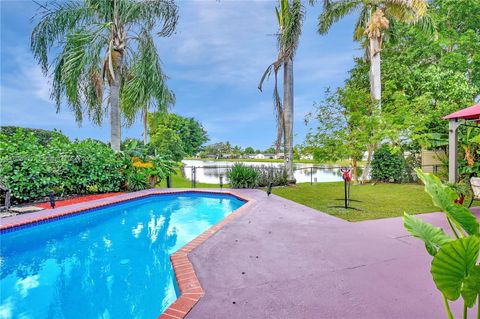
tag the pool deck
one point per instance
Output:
(274, 258)
(280, 259)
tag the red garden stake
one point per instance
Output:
(347, 177)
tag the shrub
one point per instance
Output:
(43, 136)
(137, 180)
(241, 176)
(276, 175)
(387, 166)
(32, 169)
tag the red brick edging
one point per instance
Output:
(190, 288)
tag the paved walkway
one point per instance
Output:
(281, 259)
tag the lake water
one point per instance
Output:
(210, 171)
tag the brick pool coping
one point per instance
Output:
(190, 288)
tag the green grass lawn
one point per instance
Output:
(372, 201)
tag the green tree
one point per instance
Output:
(290, 16)
(190, 131)
(249, 150)
(345, 122)
(168, 143)
(83, 30)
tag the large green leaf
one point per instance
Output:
(443, 197)
(471, 286)
(434, 237)
(452, 263)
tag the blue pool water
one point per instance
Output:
(112, 262)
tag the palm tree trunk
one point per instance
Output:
(145, 118)
(375, 70)
(288, 117)
(366, 169)
(115, 127)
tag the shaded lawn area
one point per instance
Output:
(372, 201)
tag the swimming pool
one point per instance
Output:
(112, 262)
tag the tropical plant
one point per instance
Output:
(290, 16)
(137, 180)
(83, 30)
(455, 269)
(241, 176)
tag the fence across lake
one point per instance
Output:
(211, 172)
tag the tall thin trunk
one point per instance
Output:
(145, 137)
(366, 169)
(355, 170)
(288, 117)
(115, 127)
(375, 70)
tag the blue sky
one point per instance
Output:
(214, 62)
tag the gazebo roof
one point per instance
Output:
(470, 113)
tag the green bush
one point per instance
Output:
(32, 169)
(241, 176)
(387, 166)
(44, 136)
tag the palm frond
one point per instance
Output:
(76, 69)
(146, 83)
(152, 13)
(57, 19)
(335, 11)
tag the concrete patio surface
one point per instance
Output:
(280, 259)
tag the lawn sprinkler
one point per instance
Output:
(347, 178)
(51, 197)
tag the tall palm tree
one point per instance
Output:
(290, 15)
(104, 44)
(373, 25)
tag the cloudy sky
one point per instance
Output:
(214, 62)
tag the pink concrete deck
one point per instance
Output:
(280, 259)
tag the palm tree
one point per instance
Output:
(104, 44)
(373, 24)
(290, 15)
(372, 27)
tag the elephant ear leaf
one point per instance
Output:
(452, 263)
(443, 197)
(433, 237)
(471, 287)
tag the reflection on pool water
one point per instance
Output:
(108, 263)
(210, 171)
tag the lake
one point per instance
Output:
(210, 171)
